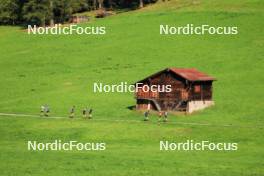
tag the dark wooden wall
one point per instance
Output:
(205, 92)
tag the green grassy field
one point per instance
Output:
(61, 70)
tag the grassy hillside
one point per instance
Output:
(61, 70)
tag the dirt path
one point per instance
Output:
(137, 121)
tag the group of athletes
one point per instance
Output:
(86, 112)
(163, 116)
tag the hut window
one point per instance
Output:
(197, 88)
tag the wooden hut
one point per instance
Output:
(79, 19)
(191, 90)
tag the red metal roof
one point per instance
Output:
(191, 74)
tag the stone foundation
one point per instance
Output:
(193, 106)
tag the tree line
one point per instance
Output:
(48, 12)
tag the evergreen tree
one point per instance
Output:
(37, 12)
(9, 11)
